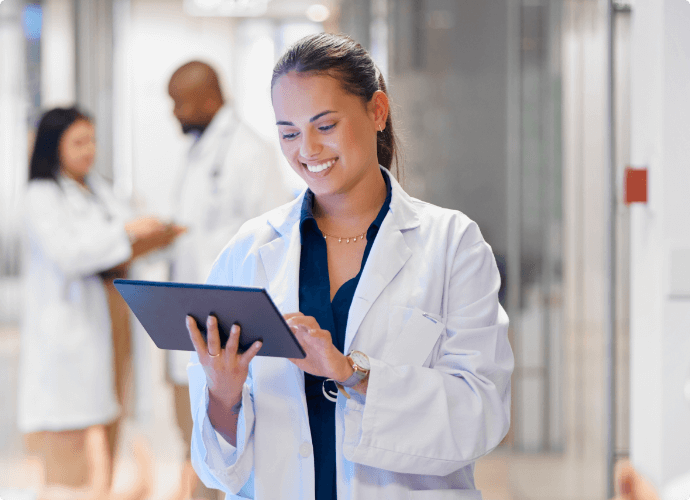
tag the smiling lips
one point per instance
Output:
(321, 166)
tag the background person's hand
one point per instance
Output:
(631, 485)
(157, 237)
(226, 370)
(143, 226)
(323, 358)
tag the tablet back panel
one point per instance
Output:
(161, 308)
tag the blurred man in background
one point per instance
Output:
(230, 176)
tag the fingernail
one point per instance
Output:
(257, 344)
(235, 328)
(209, 320)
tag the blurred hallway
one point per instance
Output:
(524, 115)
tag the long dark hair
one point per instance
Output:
(45, 159)
(341, 57)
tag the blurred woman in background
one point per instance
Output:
(75, 336)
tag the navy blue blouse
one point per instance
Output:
(315, 300)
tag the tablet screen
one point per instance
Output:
(161, 308)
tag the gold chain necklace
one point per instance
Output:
(341, 238)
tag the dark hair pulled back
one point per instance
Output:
(341, 57)
(45, 159)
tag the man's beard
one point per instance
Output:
(194, 129)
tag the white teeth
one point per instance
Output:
(321, 167)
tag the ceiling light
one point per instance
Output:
(208, 4)
(318, 13)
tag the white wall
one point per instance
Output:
(14, 156)
(58, 54)
(660, 321)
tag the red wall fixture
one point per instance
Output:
(635, 185)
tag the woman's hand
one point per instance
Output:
(225, 369)
(323, 358)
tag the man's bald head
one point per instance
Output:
(195, 89)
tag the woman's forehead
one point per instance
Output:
(297, 94)
(80, 128)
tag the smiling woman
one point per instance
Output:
(330, 140)
(408, 290)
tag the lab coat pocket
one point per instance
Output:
(413, 334)
(446, 494)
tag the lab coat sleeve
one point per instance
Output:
(435, 420)
(217, 463)
(78, 249)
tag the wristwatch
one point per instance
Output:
(360, 364)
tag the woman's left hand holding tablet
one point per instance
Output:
(323, 358)
(226, 371)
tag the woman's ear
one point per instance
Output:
(380, 104)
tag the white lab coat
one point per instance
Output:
(231, 175)
(66, 359)
(426, 313)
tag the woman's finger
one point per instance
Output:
(299, 330)
(307, 322)
(195, 335)
(212, 336)
(249, 354)
(233, 342)
(289, 316)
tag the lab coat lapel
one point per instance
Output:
(388, 255)
(280, 258)
(207, 145)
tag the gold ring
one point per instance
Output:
(214, 355)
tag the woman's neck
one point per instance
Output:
(80, 179)
(353, 211)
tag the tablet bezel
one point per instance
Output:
(127, 288)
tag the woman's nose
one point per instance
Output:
(311, 146)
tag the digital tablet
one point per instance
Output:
(161, 308)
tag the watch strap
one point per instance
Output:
(356, 377)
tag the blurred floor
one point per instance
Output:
(22, 473)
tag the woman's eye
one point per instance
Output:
(289, 137)
(325, 128)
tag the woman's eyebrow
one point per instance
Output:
(311, 120)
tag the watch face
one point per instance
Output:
(360, 360)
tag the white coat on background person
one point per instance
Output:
(230, 175)
(426, 314)
(73, 363)
(66, 375)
